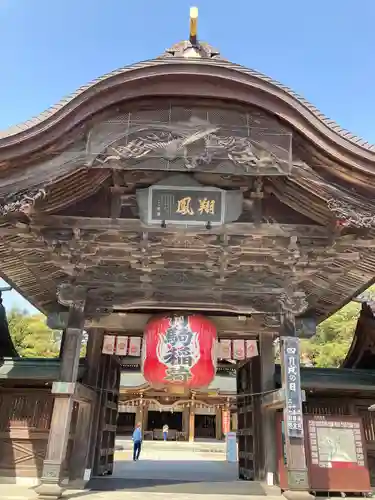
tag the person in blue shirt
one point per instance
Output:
(137, 442)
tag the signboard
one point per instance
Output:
(186, 205)
(292, 385)
(337, 454)
(231, 446)
(226, 421)
(336, 444)
(292, 479)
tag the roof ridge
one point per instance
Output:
(332, 124)
(49, 112)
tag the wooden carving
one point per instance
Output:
(77, 222)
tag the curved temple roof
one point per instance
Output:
(32, 160)
(209, 57)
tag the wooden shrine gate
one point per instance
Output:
(249, 418)
(105, 432)
(95, 429)
(184, 183)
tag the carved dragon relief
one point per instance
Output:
(199, 139)
(194, 144)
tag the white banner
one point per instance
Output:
(251, 348)
(225, 349)
(122, 346)
(109, 344)
(239, 349)
(134, 346)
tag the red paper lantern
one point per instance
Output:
(179, 350)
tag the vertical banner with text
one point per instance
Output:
(291, 378)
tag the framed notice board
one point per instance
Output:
(336, 454)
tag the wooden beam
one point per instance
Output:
(239, 228)
(136, 361)
(134, 324)
(249, 229)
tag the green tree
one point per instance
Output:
(334, 336)
(31, 336)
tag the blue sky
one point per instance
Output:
(323, 49)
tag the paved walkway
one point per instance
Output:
(162, 473)
(120, 495)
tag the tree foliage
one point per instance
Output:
(334, 336)
(330, 345)
(31, 336)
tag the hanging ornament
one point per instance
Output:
(179, 351)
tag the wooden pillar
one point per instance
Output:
(139, 415)
(109, 392)
(81, 463)
(144, 418)
(92, 379)
(185, 422)
(192, 419)
(293, 417)
(257, 417)
(57, 446)
(268, 471)
(219, 429)
(234, 422)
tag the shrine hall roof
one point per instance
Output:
(28, 370)
(173, 56)
(56, 207)
(221, 383)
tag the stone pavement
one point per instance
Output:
(178, 471)
(20, 494)
(162, 473)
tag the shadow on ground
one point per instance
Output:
(176, 486)
(176, 476)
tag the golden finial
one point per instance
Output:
(193, 25)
